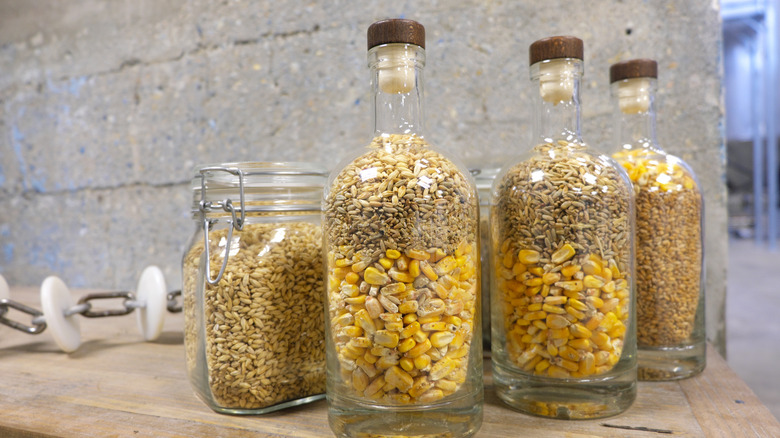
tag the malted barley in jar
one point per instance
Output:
(562, 237)
(669, 216)
(253, 286)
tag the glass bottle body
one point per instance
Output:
(562, 232)
(403, 296)
(254, 339)
(669, 216)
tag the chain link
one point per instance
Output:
(34, 329)
(84, 308)
(173, 302)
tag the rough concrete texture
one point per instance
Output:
(106, 106)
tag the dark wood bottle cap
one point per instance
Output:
(396, 30)
(634, 68)
(556, 47)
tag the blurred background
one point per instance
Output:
(107, 106)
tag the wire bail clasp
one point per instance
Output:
(226, 205)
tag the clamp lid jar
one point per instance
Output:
(252, 287)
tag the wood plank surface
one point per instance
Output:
(116, 385)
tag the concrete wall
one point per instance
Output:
(107, 105)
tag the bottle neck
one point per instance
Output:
(557, 100)
(634, 109)
(397, 88)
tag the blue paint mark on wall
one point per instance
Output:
(17, 140)
(75, 84)
(8, 252)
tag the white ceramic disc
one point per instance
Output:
(152, 291)
(55, 300)
(5, 291)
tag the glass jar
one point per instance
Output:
(401, 221)
(669, 220)
(484, 179)
(253, 286)
(563, 316)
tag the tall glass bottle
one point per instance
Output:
(563, 318)
(669, 207)
(401, 238)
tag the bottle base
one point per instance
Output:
(664, 364)
(460, 417)
(568, 400)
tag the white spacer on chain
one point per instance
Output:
(56, 300)
(153, 295)
(5, 291)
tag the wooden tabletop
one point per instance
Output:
(116, 385)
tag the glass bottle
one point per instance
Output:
(252, 285)
(563, 316)
(669, 247)
(401, 239)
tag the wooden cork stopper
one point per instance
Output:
(396, 30)
(556, 47)
(634, 68)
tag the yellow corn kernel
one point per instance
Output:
(351, 278)
(568, 353)
(445, 265)
(508, 260)
(613, 359)
(534, 307)
(446, 385)
(392, 254)
(406, 345)
(577, 304)
(617, 330)
(581, 344)
(431, 396)
(343, 320)
(364, 321)
(602, 340)
(352, 331)
(420, 336)
(440, 339)
(534, 282)
(575, 313)
(410, 330)
(601, 357)
(552, 350)
(518, 268)
(593, 282)
(373, 276)
(422, 362)
(401, 276)
(614, 268)
(541, 366)
(437, 255)
(609, 287)
(428, 271)
(609, 320)
(386, 362)
(593, 322)
(386, 338)
(561, 333)
(594, 301)
(553, 309)
(556, 321)
(609, 305)
(414, 268)
(561, 255)
(527, 339)
(452, 319)
(360, 266)
(570, 285)
(528, 256)
(536, 270)
(551, 278)
(555, 300)
(386, 262)
(370, 358)
(566, 364)
(375, 386)
(421, 384)
(530, 316)
(360, 342)
(557, 372)
(579, 330)
(418, 254)
(570, 270)
(410, 318)
(587, 364)
(359, 380)
(349, 290)
(419, 349)
(399, 378)
(538, 323)
(406, 363)
(532, 363)
(531, 291)
(441, 369)
(409, 306)
(590, 267)
(463, 248)
(434, 326)
(358, 300)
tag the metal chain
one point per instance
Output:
(84, 307)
